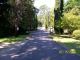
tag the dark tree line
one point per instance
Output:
(17, 17)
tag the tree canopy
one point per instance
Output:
(17, 16)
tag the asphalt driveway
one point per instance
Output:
(38, 46)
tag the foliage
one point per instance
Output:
(58, 13)
(71, 4)
(46, 17)
(76, 34)
(58, 9)
(75, 11)
(70, 21)
(4, 17)
(46, 23)
(58, 26)
(29, 19)
(71, 18)
(17, 16)
(51, 22)
(43, 14)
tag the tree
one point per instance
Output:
(51, 23)
(58, 9)
(17, 16)
(71, 19)
(58, 13)
(71, 4)
(44, 15)
(24, 15)
(4, 18)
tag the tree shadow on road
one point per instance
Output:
(39, 47)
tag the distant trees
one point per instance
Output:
(17, 16)
(46, 17)
(43, 14)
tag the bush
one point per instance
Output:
(76, 34)
(70, 22)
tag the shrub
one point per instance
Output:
(70, 22)
(76, 34)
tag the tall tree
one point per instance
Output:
(17, 16)
(58, 10)
(23, 14)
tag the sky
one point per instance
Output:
(49, 3)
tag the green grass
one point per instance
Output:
(71, 43)
(12, 39)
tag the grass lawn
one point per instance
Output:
(72, 44)
(12, 39)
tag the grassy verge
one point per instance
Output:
(12, 39)
(67, 41)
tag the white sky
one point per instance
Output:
(49, 3)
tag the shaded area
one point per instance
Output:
(72, 44)
(74, 47)
(17, 17)
(38, 47)
(13, 39)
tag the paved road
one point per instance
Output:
(38, 46)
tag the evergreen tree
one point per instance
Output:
(58, 14)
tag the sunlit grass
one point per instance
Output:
(72, 44)
(12, 39)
